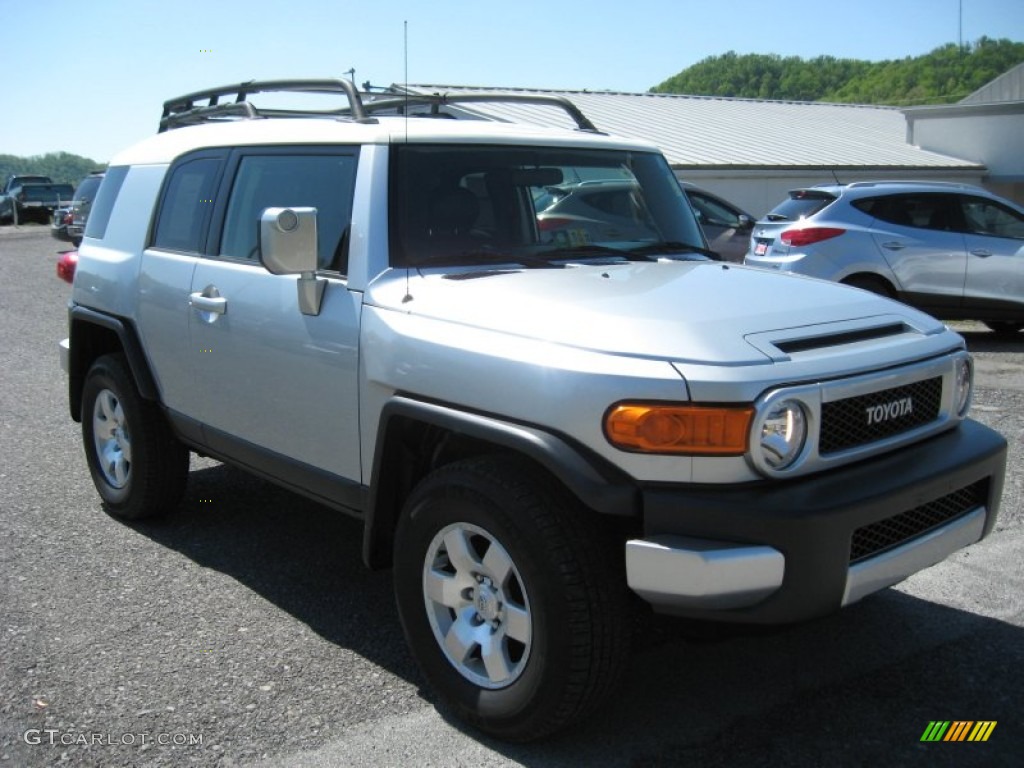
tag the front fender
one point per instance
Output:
(598, 485)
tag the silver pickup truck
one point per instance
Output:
(547, 418)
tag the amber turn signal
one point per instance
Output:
(694, 430)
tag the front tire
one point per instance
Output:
(137, 465)
(512, 601)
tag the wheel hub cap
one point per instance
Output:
(477, 606)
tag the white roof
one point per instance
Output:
(164, 147)
(713, 132)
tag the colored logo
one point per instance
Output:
(958, 730)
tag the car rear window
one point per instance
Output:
(800, 204)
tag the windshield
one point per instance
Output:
(534, 206)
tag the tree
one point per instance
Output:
(62, 167)
(946, 74)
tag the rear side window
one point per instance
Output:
(104, 203)
(185, 207)
(324, 181)
(800, 204)
(919, 210)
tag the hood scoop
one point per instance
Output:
(842, 338)
(830, 338)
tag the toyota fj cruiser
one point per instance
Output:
(540, 419)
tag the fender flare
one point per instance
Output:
(594, 481)
(81, 354)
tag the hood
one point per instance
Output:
(692, 312)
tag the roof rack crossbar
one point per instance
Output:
(183, 110)
(436, 100)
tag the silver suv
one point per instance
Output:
(952, 250)
(541, 427)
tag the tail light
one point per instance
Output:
(809, 235)
(66, 266)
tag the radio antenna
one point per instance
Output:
(405, 57)
(405, 61)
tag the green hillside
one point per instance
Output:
(62, 167)
(945, 75)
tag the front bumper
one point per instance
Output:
(788, 551)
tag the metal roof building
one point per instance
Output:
(748, 150)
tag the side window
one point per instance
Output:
(103, 206)
(323, 181)
(987, 217)
(185, 207)
(923, 211)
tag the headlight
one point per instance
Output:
(963, 381)
(782, 433)
(666, 428)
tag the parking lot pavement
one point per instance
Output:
(245, 630)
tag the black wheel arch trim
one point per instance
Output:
(81, 353)
(595, 482)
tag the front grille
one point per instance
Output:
(886, 534)
(865, 419)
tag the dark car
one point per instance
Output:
(59, 222)
(82, 204)
(726, 227)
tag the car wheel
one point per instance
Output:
(509, 599)
(1005, 328)
(873, 283)
(137, 465)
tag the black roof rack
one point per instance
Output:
(435, 101)
(184, 110)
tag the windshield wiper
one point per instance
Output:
(673, 249)
(483, 256)
(584, 251)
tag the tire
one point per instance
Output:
(512, 601)
(872, 283)
(137, 465)
(1005, 328)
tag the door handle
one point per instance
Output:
(215, 304)
(894, 245)
(981, 253)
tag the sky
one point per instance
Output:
(95, 82)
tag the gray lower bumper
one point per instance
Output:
(679, 572)
(897, 564)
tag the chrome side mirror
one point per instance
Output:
(288, 246)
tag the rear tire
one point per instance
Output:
(872, 283)
(512, 601)
(137, 465)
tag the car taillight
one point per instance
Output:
(809, 235)
(66, 266)
(552, 223)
